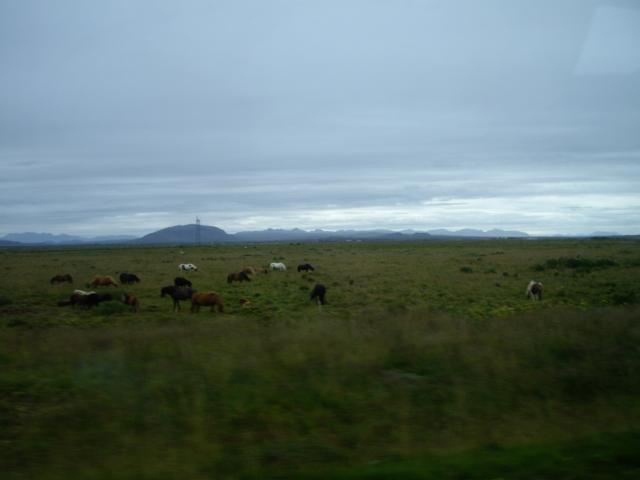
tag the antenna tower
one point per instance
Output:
(197, 231)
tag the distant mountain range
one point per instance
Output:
(32, 238)
(192, 234)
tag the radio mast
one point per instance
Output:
(197, 231)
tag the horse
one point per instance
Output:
(131, 300)
(187, 267)
(534, 290)
(85, 299)
(182, 282)
(277, 266)
(128, 278)
(249, 270)
(102, 281)
(61, 279)
(238, 277)
(318, 294)
(206, 299)
(177, 294)
(306, 267)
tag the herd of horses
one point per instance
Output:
(181, 290)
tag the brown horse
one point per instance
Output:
(249, 270)
(61, 279)
(102, 281)
(238, 277)
(211, 299)
(131, 300)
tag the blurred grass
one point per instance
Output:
(414, 369)
(228, 397)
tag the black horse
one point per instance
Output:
(128, 278)
(61, 278)
(177, 294)
(86, 300)
(318, 293)
(305, 267)
(182, 282)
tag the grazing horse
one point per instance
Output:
(187, 267)
(249, 270)
(306, 267)
(238, 277)
(177, 294)
(277, 266)
(102, 281)
(85, 299)
(182, 282)
(61, 279)
(534, 290)
(128, 278)
(131, 300)
(206, 299)
(318, 294)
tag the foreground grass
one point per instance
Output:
(605, 456)
(379, 396)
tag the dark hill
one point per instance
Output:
(186, 234)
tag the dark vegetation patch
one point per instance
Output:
(574, 263)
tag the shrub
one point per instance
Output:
(581, 264)
(466, 269)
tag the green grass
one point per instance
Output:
(415, 368)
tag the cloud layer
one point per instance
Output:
(125, 117)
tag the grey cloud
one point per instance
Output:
(240, 110)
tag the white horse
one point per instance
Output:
(188, 267)
(83, 292)
(534, 290)
(277, 266)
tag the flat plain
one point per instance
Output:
(428, 361)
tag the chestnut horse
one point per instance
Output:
(206, 299)
(131, 300)
(249, 270)
(102, 281)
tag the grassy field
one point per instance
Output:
(427, 362)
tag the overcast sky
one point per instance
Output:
(125, 116)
